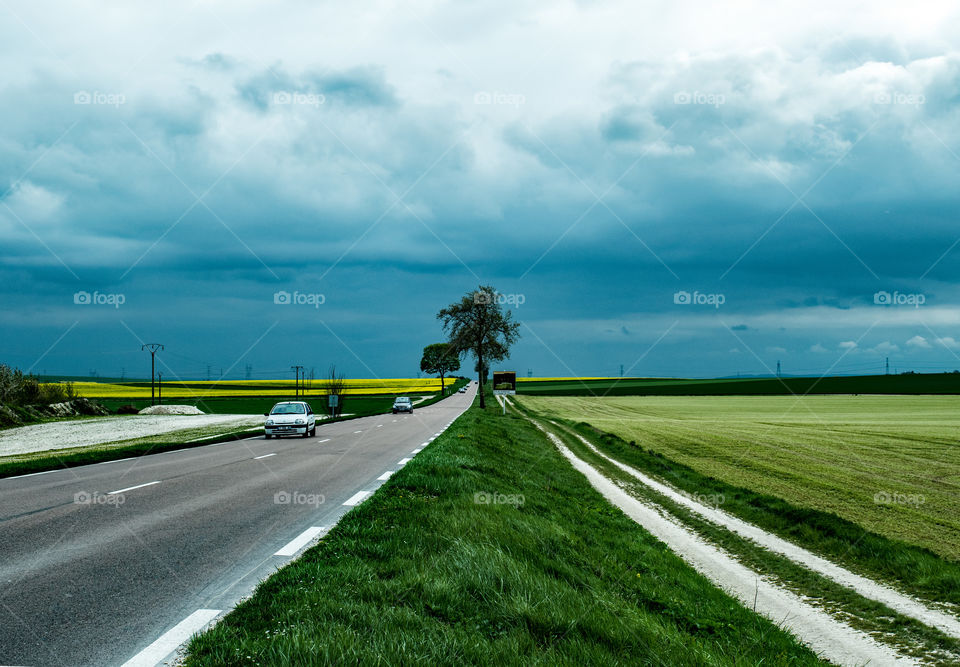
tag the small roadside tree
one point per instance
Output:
(477, 324)
(439, 359)
(334, 384)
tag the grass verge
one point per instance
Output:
(489, 548)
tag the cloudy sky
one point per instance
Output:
(677, 187)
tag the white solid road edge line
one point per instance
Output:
(385, 476)
(358, 498)
(172, 638)
(32, 474)
(300, 541)
(131, 488)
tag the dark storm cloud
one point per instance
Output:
(224, 178)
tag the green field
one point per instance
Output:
(256, 405)
(488, 548)
(909, 383)
(890, 464)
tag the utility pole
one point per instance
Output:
(159, 388)
(621, 370)
(778, 368)
(153, 347)
(297, 381)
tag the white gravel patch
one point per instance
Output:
(826, 636)
(83, 432)
(906, 605)
(172, 410)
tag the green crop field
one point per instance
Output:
(890, 464)
(908, 383)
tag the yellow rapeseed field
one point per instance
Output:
(233, 388)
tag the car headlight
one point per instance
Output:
(269, 422)
(300, 422)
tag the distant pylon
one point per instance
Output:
(778, 368)
(887, 372)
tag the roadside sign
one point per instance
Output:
(504, 383)
(332, 400)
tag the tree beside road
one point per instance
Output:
(478, 324)
(439, 359)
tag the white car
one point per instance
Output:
(402, 404)
(462, 390)
(290, 418)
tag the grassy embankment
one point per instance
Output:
(428, 572)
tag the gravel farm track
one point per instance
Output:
(83, 432)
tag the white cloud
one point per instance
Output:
(818, 349)
(948, 342)
(918, 341)
(848, 345)
(886, 347)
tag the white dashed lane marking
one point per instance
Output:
(358, 498)
(300, 541)
(131, 488)
(172, 638)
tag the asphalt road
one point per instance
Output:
(89, 576)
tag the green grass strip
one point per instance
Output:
(489, 548)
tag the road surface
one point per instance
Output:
(122, 561)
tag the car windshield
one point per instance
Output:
(403, 400)
(288, 409)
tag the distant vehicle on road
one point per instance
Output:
(462, 390)
(290, 418)
(402, 404)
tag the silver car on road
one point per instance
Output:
(290, 418)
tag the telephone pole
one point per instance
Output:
(296, 383)
(778, 368)
(153, 347)
(159, 388)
